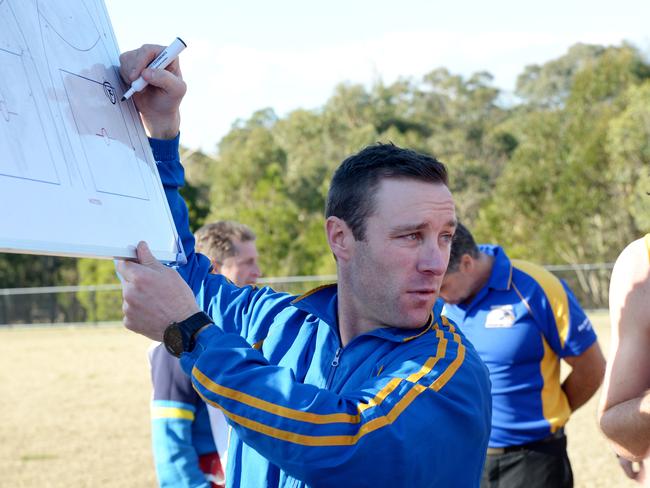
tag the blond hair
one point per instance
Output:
(217, 239)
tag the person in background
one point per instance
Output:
(190, 439)
(230, 246)
(522, 321)
(624, 413)
(362, 383)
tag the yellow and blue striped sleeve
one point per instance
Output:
(322, 436)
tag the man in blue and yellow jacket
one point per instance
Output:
(358, 384)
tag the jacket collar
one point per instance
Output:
(322, 302)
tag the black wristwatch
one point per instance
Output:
(179, 336)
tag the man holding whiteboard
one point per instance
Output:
(363, 383)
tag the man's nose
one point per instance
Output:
(432, 260)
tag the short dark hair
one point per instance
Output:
(351, 196)
(217, 239)
(463, 243)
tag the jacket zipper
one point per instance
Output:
(334, 365)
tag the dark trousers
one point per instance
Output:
(542, 464)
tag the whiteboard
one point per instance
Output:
(77, 176)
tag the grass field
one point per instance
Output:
(74, 410)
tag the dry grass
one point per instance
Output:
(74, 412)
(75, 408)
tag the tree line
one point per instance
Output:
(557, 173)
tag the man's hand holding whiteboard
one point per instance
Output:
(77, 175)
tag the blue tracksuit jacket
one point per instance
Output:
(393, 408)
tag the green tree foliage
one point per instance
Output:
(559, 175)
(256, 183)
(466, 132)
(628, 147)
(535, 176)
(22, 270)
(196, 192)
(558, 199)
(569, 193)
(550, 84)
(100, 306)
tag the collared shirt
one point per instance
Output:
(521, 323)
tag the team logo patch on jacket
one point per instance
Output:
(500, 316)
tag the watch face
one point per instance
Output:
(173, 339)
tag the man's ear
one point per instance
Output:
(339, 238)
(467, 264)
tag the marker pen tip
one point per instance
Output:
(122, 99)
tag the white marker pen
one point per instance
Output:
(161, 62)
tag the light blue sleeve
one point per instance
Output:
(174, 409)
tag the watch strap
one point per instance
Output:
(190, 326)
(179, 337)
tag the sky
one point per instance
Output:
(245, 55)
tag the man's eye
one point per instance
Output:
(412, 237)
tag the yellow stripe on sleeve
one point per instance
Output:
(444, 378)
(555, 405)
(270, 407)
(413, 378)
(555, 293)
(337, 440)
(171, 413)
(300, 415)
